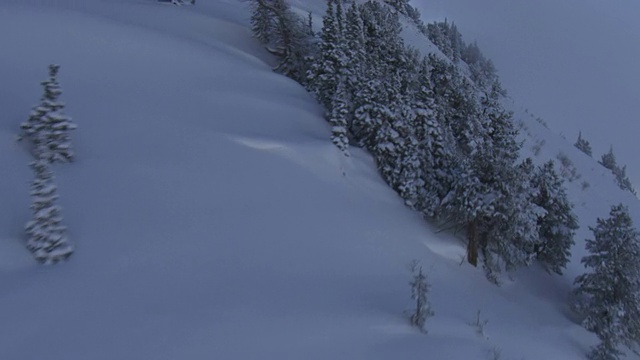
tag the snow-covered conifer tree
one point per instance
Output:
(338, 118)
(622, 179)
(285, 34)
(430, 149)
(609, 293)
(558, 223)
(608, 160)
(48, 127)
(483, 72)
(355, 67)
(447, 38)
(419, 292)
(47, 236)
(262, 22)
(399, 5)
(583, 145)
(327, 67)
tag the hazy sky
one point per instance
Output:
(574, 63)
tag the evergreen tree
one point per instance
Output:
(374, 101)
(285, 34)
(391, 145)
(355, 66)
(447, 38)
(419, 292)
(434, 150)
(338, 118)
(558, 224)
(623, 181)
(47, 236)
(399, 5)
(48, 127)
(310, 24)
(508, 226)
(583, 145)
(608, 160)
(354, 49)
(610, 291)
(483, 72)
(262, 22)
(370, 111)
(327, 68)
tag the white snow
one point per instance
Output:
(213, 218)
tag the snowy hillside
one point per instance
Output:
(213, 218)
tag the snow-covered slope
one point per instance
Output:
(213, 218)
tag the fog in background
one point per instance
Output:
(573, 63)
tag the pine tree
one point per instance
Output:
(509, 229)
(47, 236)
(419, 292)
(608, 160)
(48, 127)
(355, 67)
(338, 118)
(399, 5)
(262, 22)
(285, 35)
(432, 149)
(583, 145)
(623, 181)
(327, 68)
(610, 291)
(447, 38)
(558, 224)
(483, 72)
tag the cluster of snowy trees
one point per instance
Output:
(608, 295)
(47, 131)
(608, 160)
(448, 39)
(441, 140)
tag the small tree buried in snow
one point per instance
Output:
(419, 290)
(48, 127)
(47, 236)
(608, 160)
(583, 145)
(609, 295)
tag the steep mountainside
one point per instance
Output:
(214, 219)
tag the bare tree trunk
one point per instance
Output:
(472, 245)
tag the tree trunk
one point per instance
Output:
(472, 245)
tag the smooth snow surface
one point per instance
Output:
(214, 219)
